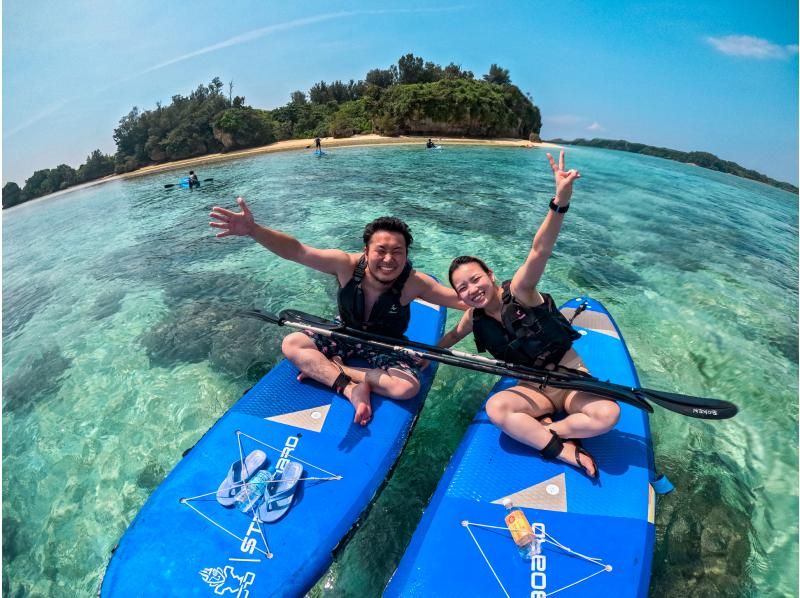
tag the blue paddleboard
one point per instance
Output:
(184, 542)
(597, 538)
(320, 153)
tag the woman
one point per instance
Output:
(517, 323)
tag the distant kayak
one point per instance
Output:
(435, 147)
(184, 183)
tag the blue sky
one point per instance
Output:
(718, 76)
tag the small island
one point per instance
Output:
(412, 97)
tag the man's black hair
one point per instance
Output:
(391, 224)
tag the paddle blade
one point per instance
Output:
(698, 407)
(260, 315)
(299, 317)
(207, 180)
(168, 186)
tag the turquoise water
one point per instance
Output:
(120, 348)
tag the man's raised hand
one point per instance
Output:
(233, 223)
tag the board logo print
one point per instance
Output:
(226, 580)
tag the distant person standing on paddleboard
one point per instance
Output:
(375, 290)
(318, 144)
(517, 323)
(193, 180)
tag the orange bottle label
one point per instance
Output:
(519, 527)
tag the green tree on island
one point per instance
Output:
(497, 75)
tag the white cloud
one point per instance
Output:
(41, 115)
(750, 47)
(596, 126)
(289, 25)
(232, 41)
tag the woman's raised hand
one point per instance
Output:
(233, 223)
(564, 179)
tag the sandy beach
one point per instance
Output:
(292, 145)
(327, 142)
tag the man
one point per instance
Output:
(376, 288)
(318, 144)
(193, 180)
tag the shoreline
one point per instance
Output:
(290, 145)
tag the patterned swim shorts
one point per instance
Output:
(375, 358)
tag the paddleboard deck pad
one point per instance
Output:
(596, 538)
(184, 542)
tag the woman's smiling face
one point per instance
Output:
(474, 285)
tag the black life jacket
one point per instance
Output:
(529, 336)
(388, 317)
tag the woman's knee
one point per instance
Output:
(497, 407)
(404, 388)
(606, 413)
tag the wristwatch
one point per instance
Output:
(558, 209)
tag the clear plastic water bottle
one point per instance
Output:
(252, 491)
(521, 531)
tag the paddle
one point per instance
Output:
(702, 408)
(176, 184)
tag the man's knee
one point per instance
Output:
(295, 342)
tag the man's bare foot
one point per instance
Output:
(360, 398)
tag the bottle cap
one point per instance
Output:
(507, 503)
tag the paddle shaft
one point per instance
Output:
(698, 407)
(701, 408)
(609, 390)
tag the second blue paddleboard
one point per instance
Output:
(597, 538)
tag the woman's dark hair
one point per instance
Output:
(391, 224)
(466, 259)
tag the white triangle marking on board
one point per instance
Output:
(309, 419)
(549, 495)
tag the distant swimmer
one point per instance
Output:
(193, 180)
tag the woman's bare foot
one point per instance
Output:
(360, 398)
(576, 456)
(545, 420)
